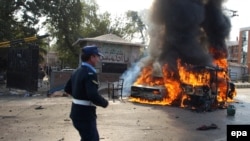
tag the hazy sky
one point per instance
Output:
(242, 6)
(117, 7)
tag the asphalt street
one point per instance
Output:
(39, 118)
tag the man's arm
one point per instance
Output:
(92, 92)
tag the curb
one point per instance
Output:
(242, 86)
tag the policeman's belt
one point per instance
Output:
(83, 102)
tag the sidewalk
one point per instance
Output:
(242, 85)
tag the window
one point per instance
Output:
(113, 67)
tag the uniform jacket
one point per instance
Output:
(83, 85)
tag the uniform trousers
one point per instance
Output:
(87, 129)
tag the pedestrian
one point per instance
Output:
(41, 75)
(48, 71)
(83, 87)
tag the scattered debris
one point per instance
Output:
(17, 92)
(58, 94)
(231, 110)
(148, 128)
(66, 119)
(28, 95)
(4, 117)
(62, 139)
(205, 127)
(36, 95)
(39, 108)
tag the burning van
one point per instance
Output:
(187, 49)
(201, 89)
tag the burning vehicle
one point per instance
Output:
(187, 63)
(202, 89)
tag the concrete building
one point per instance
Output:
(236, 70)
(119, 55)
(52, 58)
(232, 47)
(238, 60)
(244, 46)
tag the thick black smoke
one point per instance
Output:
(217, 27)
(186, 23)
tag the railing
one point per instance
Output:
(233, 76)
(246, 78)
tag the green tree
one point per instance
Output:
(70, 20)
(63, 19)
(18, 19)
(135, 25)
(66, 21)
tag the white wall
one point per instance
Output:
(236, 72)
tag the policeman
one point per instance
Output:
(83, 87)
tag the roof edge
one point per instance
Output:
(106, 41)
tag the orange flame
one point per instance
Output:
(173, 85)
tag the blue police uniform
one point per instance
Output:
(83, 87)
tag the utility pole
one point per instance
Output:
(231, 13)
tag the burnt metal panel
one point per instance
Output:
(22, 70)
(150, 93)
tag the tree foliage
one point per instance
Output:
(17, 19)
(135, 25)
(66, 21)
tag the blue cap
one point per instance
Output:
(90, 50)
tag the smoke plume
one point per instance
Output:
(186, 27)
(217, 27)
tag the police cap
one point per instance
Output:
(91, 50)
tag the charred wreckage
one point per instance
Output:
(197, 97)
(188, 42)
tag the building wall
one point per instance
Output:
(244, 45)
(117, 59)
(233, 53)
(52, 58)
(114, 53)
(236, 71)
(239, 48)
(248, 49)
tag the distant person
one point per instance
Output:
(41, 75)
(83, 87)
(48, 70)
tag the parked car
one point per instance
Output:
(68, 69)
(55, 68)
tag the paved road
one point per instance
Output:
(40, 118)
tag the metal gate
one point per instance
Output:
(22, 70)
